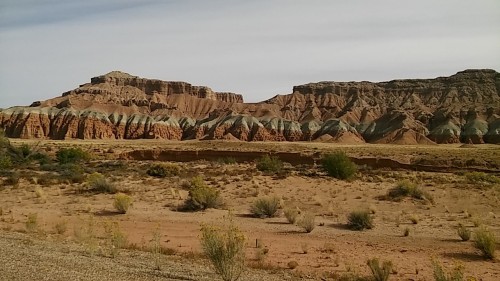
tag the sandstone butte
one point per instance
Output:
(464, 107)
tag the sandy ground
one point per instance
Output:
(328, 251)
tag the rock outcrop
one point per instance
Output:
(464, 107)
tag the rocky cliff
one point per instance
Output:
(464, 107)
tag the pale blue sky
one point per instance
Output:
(258, 48)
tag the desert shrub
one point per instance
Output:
(406, 188)
(122, 202)
(380, 273)
(307, 222)
(338, 165)
(70, 173)
(265, 207)
(485, 241)
(269, 164)
(71, 155)
(12, 179)
(5, 161)
(32, 223)
(115, 238)
(202, 196)
(456, 274)
(96, 182)
(61, 227)
(41, 158)
(464, 232)
(164, 170)
(480, 177)
(359, 220)
(406, 232)
(292, 214)
(225, 248)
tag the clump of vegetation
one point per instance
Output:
(164, 170)
(116, 239)
(408, 189)
(480, 177)
(61, 227)
(464, 232)
(85, 232)
(269, 164)
(32, 223)
(485, 241)
(12, 179)
(71, 173)
(292, 214)
(40, 194)
(338, 165)
(11, 155)
(265, 207)
(456, 274)
(72, 155)
(202, 196)
(225, 248)
(360, 220)
(99, 183)
(307, 222)
(380, 273)
(5, 161)
(122, 202)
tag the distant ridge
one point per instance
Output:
(464, 107)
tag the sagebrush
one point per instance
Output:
(225, 248)
(269, 164)
(485, 241)
(360, 220)
(338, 165)
(122, 202)
(265, 207)
(202, 196)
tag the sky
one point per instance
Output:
(258, 48)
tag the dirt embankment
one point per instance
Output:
(294, 158)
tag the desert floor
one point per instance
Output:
(329, 251)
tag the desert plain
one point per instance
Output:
(53, 228)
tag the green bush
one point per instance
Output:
(98, 183)
(338, 165)
(122, 203)
(464, 232)
(202, 196)
(12, 179)
(41, 158)
(5, 161)
(11, 155)
(225, 248)
(70, 173)
(408, 189)
(480, 177)
(380, 273)
(359, 220)
(265, 207)
(485, 241)
(71, 155)
(163, 170)
(269, 164)
(456, 274)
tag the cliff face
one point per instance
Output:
(464, 107)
